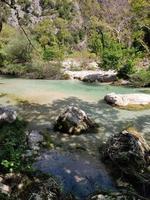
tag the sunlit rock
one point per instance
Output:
(93, 75)
(127, 99)
(74, 121)
(106, 77)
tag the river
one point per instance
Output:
(41, 101)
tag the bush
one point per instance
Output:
(141, 78)
(95, 43)
(12, 146)
(127, 70)
(45, 70)
(15, 69)
(112, 57)
(18, 50)
(53, 53)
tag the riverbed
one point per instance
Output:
(41, 101)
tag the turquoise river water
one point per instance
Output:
(46, 99)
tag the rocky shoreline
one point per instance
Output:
(127, 151)
(93, 76)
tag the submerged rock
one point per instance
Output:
(127, 99)
(7, 115)
(74, 121)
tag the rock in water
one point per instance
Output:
(73, 121)
(7, 115)
(129, 151)
(127, 99)
(99, 78)
(130, 154)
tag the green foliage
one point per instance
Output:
(15, 69)
(113, 53)
(45, 70)
(44, 32)
(18, 50)
(127, 70)
(53, 53)
(95, 43)
(6, 33)
(65, 9)
(141, 78)
(12, 146)
(140, 24)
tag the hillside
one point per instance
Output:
(36, 34)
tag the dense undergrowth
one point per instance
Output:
(12, 147)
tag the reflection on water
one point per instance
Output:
(41, 101)
(79, 174)
(47, 98)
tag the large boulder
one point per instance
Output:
(127, 99)
(7, 115)
(99, 78)
(128, 154)
(93, 76)
(128, 151)
(73, 121)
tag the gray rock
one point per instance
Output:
(93, 75)
(127, 99)
(7, 115)
(99, 78)
(129, 151)
(34, 140)
(73, 121)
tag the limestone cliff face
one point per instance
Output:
(33, 12)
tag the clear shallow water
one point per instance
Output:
(46, 99)
(79, 174)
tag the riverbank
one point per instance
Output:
(39, 102)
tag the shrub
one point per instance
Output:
(12, 146)
(112, 57)
(15, 69)
(127, 70)
(45, 70)
(141, 78)
(2, 58)
(95, 43)
(18, 50)
(53, 53)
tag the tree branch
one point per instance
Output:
(13, 6)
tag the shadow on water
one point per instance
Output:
(77, 169)
(79, 174)
(111, 120)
